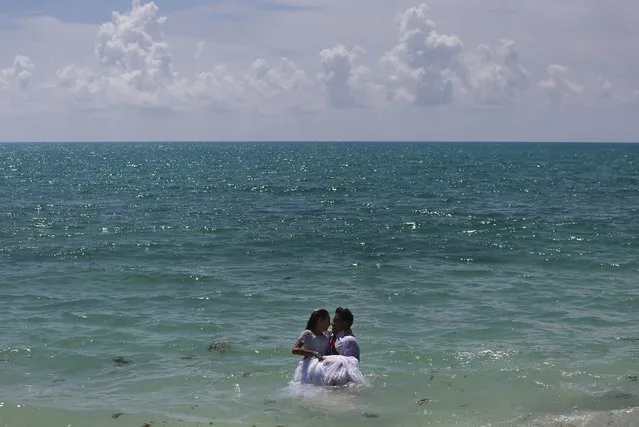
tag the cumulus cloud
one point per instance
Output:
(429, 68)
(135, 63)
(600, 92)
(595, 92)
(420, 68)
(496, 76)
(559, 87)
(80, 81)
(218, 88)
(345, 83)
(264, 87)
(131, 46)
(287, 86)
(135, 67)
(18, 76)
(338, 76)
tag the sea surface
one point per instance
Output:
(166, 283)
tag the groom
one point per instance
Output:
(342, 341)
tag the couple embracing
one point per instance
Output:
(330, 359)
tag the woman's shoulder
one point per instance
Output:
(306, 333)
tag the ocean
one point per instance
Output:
(164, 284)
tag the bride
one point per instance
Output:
(329, 360)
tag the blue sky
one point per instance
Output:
(85, 11)
(96, 11)
(335, 69)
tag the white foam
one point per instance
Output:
(618, 418)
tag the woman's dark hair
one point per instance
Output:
(318, 314)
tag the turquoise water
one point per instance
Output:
(499, 281)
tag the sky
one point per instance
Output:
(342, 70)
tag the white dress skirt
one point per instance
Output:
(334, 370)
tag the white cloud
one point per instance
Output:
(264, 88)
(559, 87)
(429, 68)
(15, 86)
(419, 67)
(18, 76)
(203, 63)
(562, 88)
(346, 84)
(132, 46)
(496, 76)
(338, 78)
(601, 93)
(285, 88)
(135, 67)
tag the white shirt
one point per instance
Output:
(318, 343)
(347, 345)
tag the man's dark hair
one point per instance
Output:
(346, 315)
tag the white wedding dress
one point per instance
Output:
(333, 370)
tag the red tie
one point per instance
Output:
(332, 344)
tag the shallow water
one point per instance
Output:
(498, 281)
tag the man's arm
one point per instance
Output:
(348, 346)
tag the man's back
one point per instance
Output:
(347, 345)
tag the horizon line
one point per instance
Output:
(334, 141)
